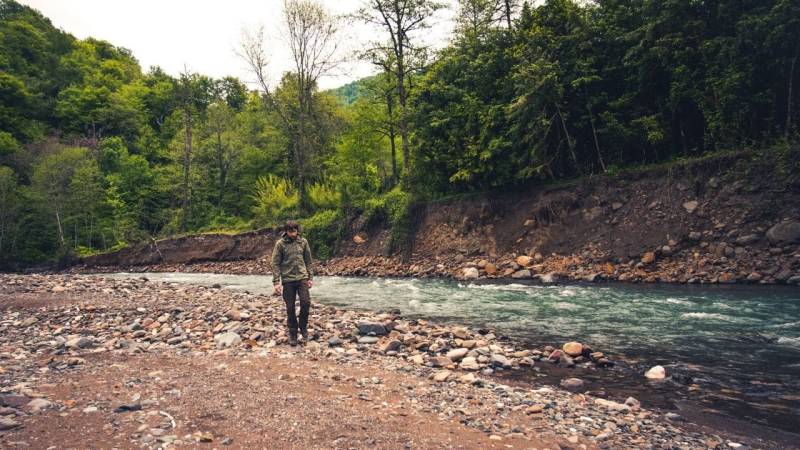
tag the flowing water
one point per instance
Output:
(732, 349)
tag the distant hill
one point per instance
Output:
(350, 92)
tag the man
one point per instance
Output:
(291, 276)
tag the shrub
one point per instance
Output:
(323, 229)
(275, 199)
(324, 196)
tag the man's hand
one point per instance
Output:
(310, 283)
(277, 289)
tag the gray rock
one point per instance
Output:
(786, 232)
(499, 360)
(367, 339)
(793, 280)
(372, 328)
(39, 404)
(695, 235)
(335, 341)
(226, 340)
(572, 384)
(748, 239)
(80, 342)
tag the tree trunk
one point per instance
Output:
(223, 171)
(508, 13)
(789, 96)
(596, 141)
(402, 122)
(60, 229)
(187, 153)
(390, 108)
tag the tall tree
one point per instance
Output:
(311, 32)
(401, 19)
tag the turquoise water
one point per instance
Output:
(740, 345)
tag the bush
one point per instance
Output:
(275, 199)
(323, 229)
(324, 196)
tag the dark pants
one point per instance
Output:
(292, 289)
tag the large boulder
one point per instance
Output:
(786, 232)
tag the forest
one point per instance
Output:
(98, 153)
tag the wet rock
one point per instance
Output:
(227, 340)
(372, 328)
(786, 232)
(573, 348)
(470, 273)
(499, 360)
(656, 373)
(572, 384)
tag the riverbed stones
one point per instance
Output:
(440, 361)
(523, 260)
(691, 206)
(368, 339)
(648, 257)
(573, 348)
(80, 342)
(8, 424)
(656, 373)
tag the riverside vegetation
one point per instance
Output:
(97, 154)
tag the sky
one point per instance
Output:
(203, 35)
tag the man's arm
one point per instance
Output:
(277, 256)
(307, 259)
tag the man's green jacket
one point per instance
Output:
(291, 260)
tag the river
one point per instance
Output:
(734, 350)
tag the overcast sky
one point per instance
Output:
(202, 34)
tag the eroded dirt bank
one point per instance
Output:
(90, 361)
(721, 220)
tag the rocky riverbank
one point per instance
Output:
(140, 363)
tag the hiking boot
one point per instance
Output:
(304, 333)
(293, 337)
